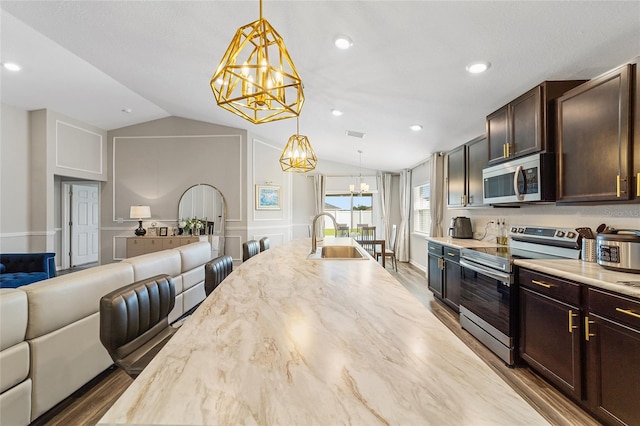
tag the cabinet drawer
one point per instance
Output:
(617, 308)
(152, 245)
(553, 287)
(170, 243)
(451, 254)
(435, 249)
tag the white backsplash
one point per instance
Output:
(616, 216)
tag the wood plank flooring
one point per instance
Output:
(90, 403)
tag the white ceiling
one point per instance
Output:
(91, 59)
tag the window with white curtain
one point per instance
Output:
(421, 209)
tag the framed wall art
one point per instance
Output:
(163, 231)
(267, 197)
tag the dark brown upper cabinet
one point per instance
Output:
(526, 124)
(594, 140)
(464, 173)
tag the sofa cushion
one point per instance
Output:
(15, 405)
(18, 279)
(64, 360)
(165, 262)
(194, 255)
(13, 317)
(62, 300)
(14, 365)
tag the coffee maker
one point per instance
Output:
(460, 227)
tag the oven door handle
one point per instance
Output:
(504, 277)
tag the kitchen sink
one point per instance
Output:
(339, 252)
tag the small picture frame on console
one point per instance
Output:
(163, 231)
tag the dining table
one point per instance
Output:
(372, 245)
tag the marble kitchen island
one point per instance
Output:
(293, 341)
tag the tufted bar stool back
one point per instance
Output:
(250, 249)
(134, 322)
(215, 271)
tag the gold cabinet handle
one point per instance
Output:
(571, 316)
(618, 186)
(628, 312)
(504, 150)
(586, 329)
(450, 254)
(540, 283)
(638, 185)
(508, 150)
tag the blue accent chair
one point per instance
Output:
(18, 269)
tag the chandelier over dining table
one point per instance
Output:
(256, 78)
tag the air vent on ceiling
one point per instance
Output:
(355, 134)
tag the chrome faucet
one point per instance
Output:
(313, 229)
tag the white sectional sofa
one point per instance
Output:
(55, 326)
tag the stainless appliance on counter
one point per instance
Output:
(460, 227)
(619, 250)
(526, 179)
(489, 291)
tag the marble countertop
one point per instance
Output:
(286, 340)
(461, 243)
(589, 273)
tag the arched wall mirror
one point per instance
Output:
(204, 201)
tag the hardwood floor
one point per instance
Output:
(89, 404)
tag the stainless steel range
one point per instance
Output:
(489, 292)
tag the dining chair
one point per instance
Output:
(389, 250)
(367, 239)
(343, 230)
(264, 244)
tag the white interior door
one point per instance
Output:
(84, 224)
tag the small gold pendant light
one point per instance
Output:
(256, 78)
(298, 155)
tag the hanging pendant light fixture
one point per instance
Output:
(363, 186)
(256, 78)
(298, 155)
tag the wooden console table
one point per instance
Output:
(143, 245)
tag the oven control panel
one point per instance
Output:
(562, 237)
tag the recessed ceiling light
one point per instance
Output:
(336, 112)
(415, 127)
(11, 66)
(478, 67)
(127, 110)
(343, 42)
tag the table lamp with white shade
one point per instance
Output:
(140, 212)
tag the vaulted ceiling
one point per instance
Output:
(92, 59)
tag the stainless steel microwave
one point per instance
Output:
(523, 180)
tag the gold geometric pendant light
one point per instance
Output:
(256, 78)
(298, 155)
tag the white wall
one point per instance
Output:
(15, 182)
(36, 147)
(153, 163)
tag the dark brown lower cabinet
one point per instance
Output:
(550, 340)
(443, 268)
(435, 266)
(452, 275)
(613, 351)
(585, 341)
